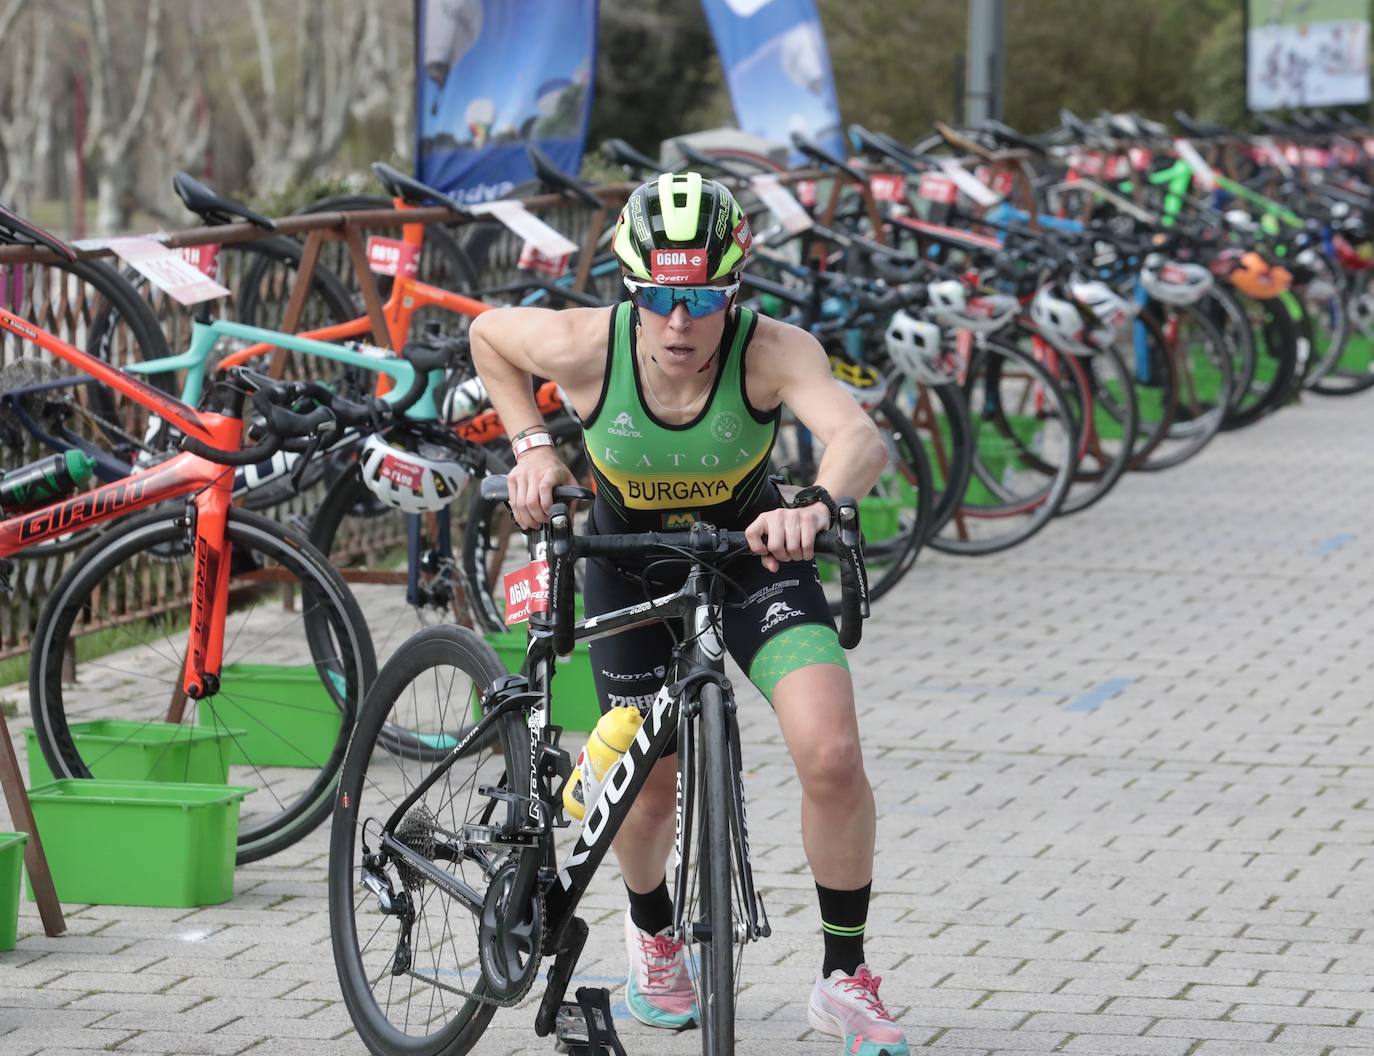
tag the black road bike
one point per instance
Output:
(445, 890)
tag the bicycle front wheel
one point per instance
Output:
(417, 989)
(710, 897)
(297, 662)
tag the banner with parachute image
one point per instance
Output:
(778, 69)
(493, 76)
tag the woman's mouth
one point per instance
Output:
(679, 353)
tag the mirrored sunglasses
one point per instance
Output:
(698, 300)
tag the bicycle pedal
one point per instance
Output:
(586, 1028)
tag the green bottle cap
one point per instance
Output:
(80, 465)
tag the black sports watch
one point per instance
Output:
(817, 494)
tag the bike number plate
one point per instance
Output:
(527, 591)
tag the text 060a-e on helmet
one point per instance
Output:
(681, 229)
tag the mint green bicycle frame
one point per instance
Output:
(204, 336)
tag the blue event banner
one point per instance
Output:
(778, 69)
(494, 75)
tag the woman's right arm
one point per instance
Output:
(511, 346)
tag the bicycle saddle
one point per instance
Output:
(823, 157)
(213, 207)
(412, 191)
(550, 175)
(619, 151)
(701, 160)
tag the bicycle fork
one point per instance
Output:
(751, 923)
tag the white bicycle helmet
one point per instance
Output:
(949, 303)
(410, 471)
(1082, 320)
(916, 347)
(462, 400)
(1173, 281)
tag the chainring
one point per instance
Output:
(510, 950)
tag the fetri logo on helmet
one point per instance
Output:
(681, 229)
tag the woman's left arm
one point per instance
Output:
(854, 453)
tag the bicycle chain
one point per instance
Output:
(484, 999)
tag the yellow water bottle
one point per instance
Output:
(608, 742)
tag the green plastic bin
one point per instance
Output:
(575, 704)
(287, 716)
(138, 843)
(126, 750)
(11, 863)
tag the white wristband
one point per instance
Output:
(533, 440)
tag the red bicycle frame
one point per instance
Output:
(183, 474)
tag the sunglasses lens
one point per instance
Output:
(698, 300)
(656, 299)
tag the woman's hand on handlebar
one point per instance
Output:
(787, 534)
(530, 484)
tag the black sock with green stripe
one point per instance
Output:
(843, 916)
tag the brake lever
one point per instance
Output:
(298, 473)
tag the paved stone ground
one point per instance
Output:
(1122, 775)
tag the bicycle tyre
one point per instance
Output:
(328, 302)
(157, 538)
(1038, 508)
(716, 958)
(425, 651)
(1276, 362)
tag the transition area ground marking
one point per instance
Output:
(1099, 695)
(1330, 546)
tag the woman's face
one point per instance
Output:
(679, 344)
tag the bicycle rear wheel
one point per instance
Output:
(293, 677)
(433, 683)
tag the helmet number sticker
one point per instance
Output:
(743, 235)
(672, 267)
(399, 471)
(527, 591)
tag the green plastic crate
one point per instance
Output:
(138, 843)
(286, 715)
(880, 517)
(125, 750)
(11, 862)
(575, 704)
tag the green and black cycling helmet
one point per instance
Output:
(681, 228)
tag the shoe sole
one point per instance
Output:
(630, 1008)
(828, 1024)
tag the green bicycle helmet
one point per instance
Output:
(682, 229)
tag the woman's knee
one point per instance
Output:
(831, 767)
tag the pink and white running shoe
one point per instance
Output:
(848, 1007)
(659, 990)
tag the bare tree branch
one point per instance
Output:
(9, 15)
(103, 61)
(265, 64)
(152, 46)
